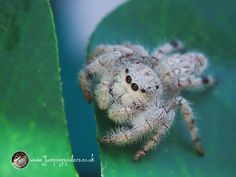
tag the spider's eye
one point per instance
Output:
(134, 86)
(128, 79)
(127, 70)
(157, 87)
(143, 90)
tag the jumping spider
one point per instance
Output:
(142, 90)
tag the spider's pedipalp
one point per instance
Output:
(102, 93)
(123, 113)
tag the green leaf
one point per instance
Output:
(206, 26)
(32, 117)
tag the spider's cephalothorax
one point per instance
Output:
(142, 90)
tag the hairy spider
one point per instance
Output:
(142, 90)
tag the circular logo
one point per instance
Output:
(20, 160)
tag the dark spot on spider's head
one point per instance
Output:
(127, 70)
(157, 87)
(128, 79)
(143, 90)
(137, 62)
(205, 80)
(174, 43)
(134, 86)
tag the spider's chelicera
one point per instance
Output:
(142, 90)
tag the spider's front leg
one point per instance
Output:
(145, 122)
(150, 144)
(158, 134)
(98, 67)
(189, 119)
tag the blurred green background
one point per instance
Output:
(32, 115)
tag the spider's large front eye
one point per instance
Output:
(134, 86)
(128, 79)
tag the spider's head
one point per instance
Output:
(142, 82)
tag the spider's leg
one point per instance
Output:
(103, 49)
(151, 143)
(189, 119)
(100, 66)
(169, 47)
(85, 84)
(142, 124)
(141, 55)
(163, 125)
(138, 50)
(183, 71)
(193, 82)
(179, 65)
